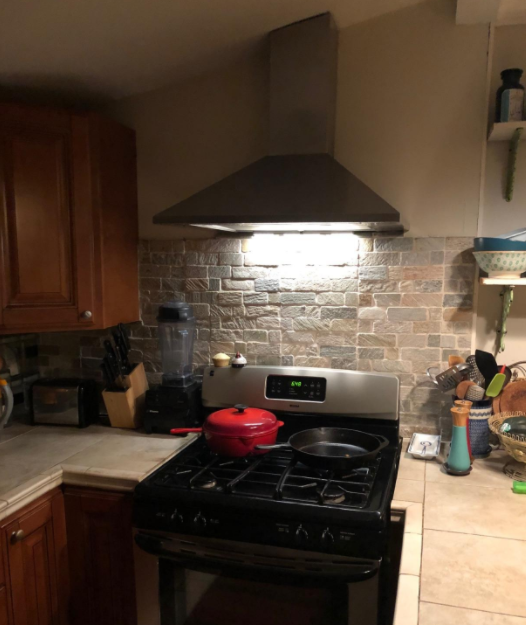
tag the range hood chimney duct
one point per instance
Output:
(299, 187)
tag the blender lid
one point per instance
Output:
(175, 311)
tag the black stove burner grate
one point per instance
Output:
(276, 475)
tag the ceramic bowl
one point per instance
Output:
(502, 264)
(494, 244)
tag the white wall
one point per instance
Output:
(499, 216)
(195, 133)
(411, 114)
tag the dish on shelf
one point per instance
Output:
(495, 244)
(502, 264)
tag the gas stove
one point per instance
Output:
(199, 493)
(269, 522)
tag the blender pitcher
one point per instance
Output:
(176, 340)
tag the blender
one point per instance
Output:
(176, 340)
(176, 402)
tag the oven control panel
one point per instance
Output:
(298, 388)
(305, 535)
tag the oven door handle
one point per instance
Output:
(347, 573)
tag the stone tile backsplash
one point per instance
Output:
(384, 304)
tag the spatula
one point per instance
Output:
(487, 365)
(496, 385)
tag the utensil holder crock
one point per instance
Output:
(479, 429)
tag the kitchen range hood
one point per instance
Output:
(299, 187)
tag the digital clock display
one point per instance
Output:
(302, 388)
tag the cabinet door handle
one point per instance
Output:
(87, 314)
(17, 536)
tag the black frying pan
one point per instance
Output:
(337, 449)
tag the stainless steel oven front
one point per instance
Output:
(203, 581)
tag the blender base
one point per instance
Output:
(170, 407)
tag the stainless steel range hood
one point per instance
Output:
(300, 187)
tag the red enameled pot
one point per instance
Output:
(235, 432)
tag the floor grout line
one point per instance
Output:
(430, 529)
(460, 607)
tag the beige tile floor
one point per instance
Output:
(470, 567)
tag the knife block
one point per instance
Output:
(126, 408)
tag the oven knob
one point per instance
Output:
(327, 538)
(301, 536)
(176, 518)
(199, 521)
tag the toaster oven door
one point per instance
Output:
(56, 405)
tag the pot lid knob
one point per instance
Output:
(240, 408)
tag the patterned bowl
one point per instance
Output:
(502, 264)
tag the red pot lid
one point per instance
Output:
(241, 421)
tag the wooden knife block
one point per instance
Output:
(126, 409)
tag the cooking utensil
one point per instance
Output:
(121, 352)
(111, 374)
(513, 398)
(496, 385)
(487, 365)
(462, 388)
(448, 379)
(337, 449)
(236, 432)
(432, 373)
(111, 355)
(475, 393)
(474, 373)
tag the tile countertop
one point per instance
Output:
(464, 545)
(33, 460)
(464, 538)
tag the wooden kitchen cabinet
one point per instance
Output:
(100, 543)
(35, 564)
(68, 221)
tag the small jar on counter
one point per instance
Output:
(510, 97)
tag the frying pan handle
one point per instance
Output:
(278, 446)
(383, 441)
(184, 431)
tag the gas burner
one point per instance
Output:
(205, 482)
(334, 497)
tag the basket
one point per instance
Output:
(514, 444)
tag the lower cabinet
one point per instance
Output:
(34, 587)
(67, 559)
(100, 546)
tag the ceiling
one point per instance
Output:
(101, 50)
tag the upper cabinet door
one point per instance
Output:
(46, 220)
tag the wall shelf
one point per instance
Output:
(504, 281)
(503, 131)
